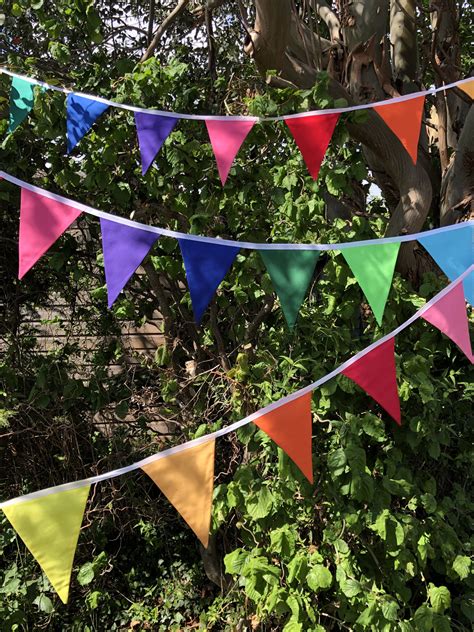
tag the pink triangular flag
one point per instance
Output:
(42, 221)
(375, 372)
(449, 316)
(226, 139)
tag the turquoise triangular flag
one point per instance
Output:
(453, 251)
(21, 101)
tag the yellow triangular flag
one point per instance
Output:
(187, 480)
(49, 526)
(468, 88)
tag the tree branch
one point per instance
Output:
(167, 22)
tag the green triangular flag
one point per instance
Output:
(21, 101)
(49, 526)
(291, 272)
(373, 268)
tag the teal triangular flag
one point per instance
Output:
(21, 101)
(291, 272)
(373, 267)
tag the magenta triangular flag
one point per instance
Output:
(42, 221)
(312, 135)
(226, 139)
(375, 372)
(124, 248)
(449, 316)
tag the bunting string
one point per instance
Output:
(256, 119)
(254, 417)
(312, 131)
(245, 245)
(44, 216)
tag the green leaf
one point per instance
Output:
(234, 561)
(86, 574)
(350, 587)
(462, 566)
(259, 506)
(283, 541)
(440, 598)
(423, 619)
(319, 577)
(44, 603)
(390, 609)
(337, 462)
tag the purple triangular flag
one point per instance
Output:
(152, 131)
(124, 248)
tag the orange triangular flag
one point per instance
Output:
(186, 478)
(404, 119)
(468, 88)
(290, 428)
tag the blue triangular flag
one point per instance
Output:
(152, 131)
(206, 264)
(81, 114)
(453, 251)
(124, 249)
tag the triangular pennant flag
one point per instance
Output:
(124, 248)
(312, 135)
(186, 478)
(226, 139)
(468, 88)
(373, 268)
(375, 372)
(404, 119)
(206, 265)
(81, 114)
(49, 526)
(21, 101)
(152, 131)
(291, 272)
(449, 316)
(289, 426)
(42, 221)
(453, 251)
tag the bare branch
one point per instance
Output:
(167, 22)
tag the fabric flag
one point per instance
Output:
(404, 119)
(312, 135)
(152, 131)
(42, 221)
(206, 265)
(375, 372)
(373, 268)
(21, 102)
(186, 478)
(291, 272)
(453, 251)
(449, 316)
(124, 248)
(226, 139)
(49, 526)
(468, 88)
(81, 114)
(289, 426)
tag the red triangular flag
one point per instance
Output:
(404, 119)
(289, 426)
(375, 372)
(312, 135)
(42, 221)
(226, 139)
(449, 316)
